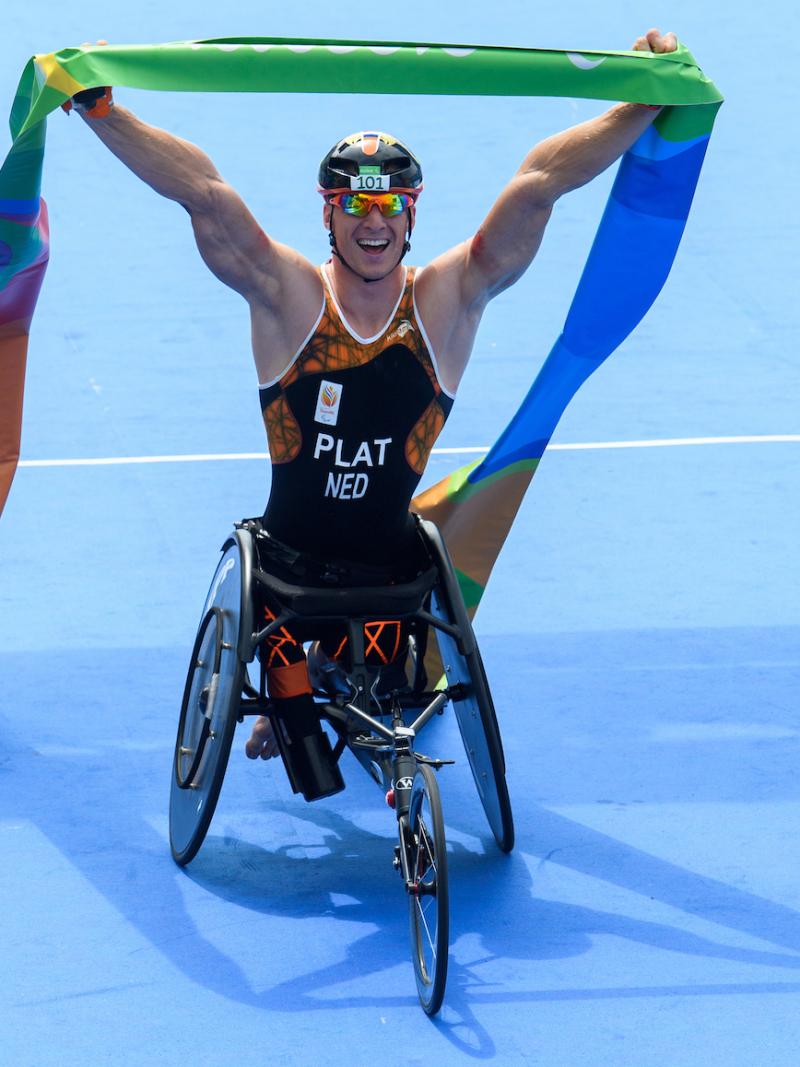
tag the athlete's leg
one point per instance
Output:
(288, 687)
(385, 642)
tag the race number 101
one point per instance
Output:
(370, 183)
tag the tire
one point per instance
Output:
(428, 900)
(197, 706)
(477, 723)
(485, 753)
(209, 712)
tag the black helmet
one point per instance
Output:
(369, 162)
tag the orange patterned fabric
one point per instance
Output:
(285, 661)
(332, 347)
(384, 642)
(421, 439)
(283, 432)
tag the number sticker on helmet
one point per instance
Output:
(370, 183)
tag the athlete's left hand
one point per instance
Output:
(653, 41)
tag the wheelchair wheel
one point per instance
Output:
(199, 696)
(209, 712)
(428, 900)
(477, 722)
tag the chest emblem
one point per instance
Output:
(328, 401)
(404, 327)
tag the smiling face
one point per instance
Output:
(372, 245)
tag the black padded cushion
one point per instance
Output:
(379, 601)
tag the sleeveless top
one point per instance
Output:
(350, 424)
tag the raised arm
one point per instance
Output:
(455, 288)
(510, 236)
(280, 285)
(230, 240)
(505, 244)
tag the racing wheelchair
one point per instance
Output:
(369, 710)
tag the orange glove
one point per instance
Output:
(93, 103)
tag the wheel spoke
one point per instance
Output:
(429, 853)
(431, 940)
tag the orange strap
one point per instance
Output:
(377, 640)
(286, 682)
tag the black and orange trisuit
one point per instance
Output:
(350, 423)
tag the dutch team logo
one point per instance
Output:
(328, 401)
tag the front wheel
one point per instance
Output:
(428, 900)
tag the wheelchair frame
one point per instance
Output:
(379, 727)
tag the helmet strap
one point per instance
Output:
(335, 251)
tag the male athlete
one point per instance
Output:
(359, 360)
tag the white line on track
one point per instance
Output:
(474, 450)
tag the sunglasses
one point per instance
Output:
(360, 204)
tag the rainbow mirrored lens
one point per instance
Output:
(360, 204)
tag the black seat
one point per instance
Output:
(379, 601)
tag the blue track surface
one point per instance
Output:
(640, 631)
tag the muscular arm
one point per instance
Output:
(454, 290)
(510, 237)
(230, 240)
(281, 287)
(508, 240)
